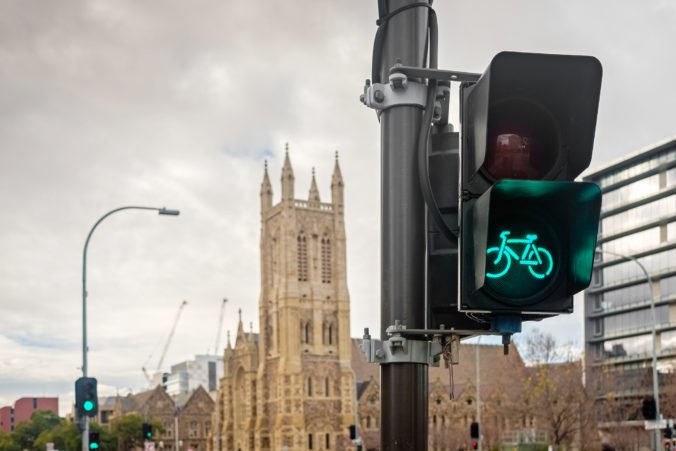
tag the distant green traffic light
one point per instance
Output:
(86, 397)
(93, 446)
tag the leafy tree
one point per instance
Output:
(128, 430)
(7, 442)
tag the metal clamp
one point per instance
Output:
(400, 91)
(399, 349)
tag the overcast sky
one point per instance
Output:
(172, 103)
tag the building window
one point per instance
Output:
(207, 427)
(309, 441)
(302, 258)
(193, 432)
(326, 260)
(330, 334)
(326, 386)
(309, 386)
(598, 327)
(167, 429)
(328, 442)
(368, 421)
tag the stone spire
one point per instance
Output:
(229, 345)
(313, 197)
(287, 178)
(240, 327)
(337, 187)
(266, 190)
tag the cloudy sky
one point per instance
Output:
(171, 103)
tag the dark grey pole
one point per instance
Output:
(403, 424)
(162, 211)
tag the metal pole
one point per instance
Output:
(478, 394)
(403, 423)
(656, 393)
(162, 211)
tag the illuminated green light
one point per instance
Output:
(538, 259)
(93, 446)
(149, 434)
(88, 406)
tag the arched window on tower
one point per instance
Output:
(326, 386)
(326, 259)
(330, 334)
(302, 258)
(309, 386)
(307, 332)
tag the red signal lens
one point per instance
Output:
(522, 142)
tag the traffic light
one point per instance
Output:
(94, 440)
(474, 430)
(147, 430)
(475, 444)
(649, 408)
(86, 399)
(527, 231)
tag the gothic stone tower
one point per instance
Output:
(304, 384)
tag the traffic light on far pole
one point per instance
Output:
(147, 430)
(94, 440)
(86, 399)
(528, 232)
(474, 430)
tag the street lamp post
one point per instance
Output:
(162, 211)
(649, 280)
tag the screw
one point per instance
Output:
(378, 96)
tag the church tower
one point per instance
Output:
(304, 384)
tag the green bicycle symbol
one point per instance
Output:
(532, 256)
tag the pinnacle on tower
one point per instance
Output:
(337, 186)
(337, 178)
(287, 178)
(313, 197)
(266, 190)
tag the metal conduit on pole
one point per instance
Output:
(649, 280)
(403, 385)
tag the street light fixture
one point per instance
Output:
(161, 211)
(656, 391)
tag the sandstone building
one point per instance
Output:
(291, 385)
(191, 411)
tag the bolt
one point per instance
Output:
(361, 98)
(378, 96)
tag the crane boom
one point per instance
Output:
(171, 334)
(220, 324)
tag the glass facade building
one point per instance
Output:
(638, 219)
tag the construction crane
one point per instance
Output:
(220, 324)
(166, 345)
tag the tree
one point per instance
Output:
(7, 442)
(127, 430)
(554, 394)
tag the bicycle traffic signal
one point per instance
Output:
(528, 232)
(86, 400)
(94, 442)
(147, 430)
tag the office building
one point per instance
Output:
(638, 219)
(23, 409)
(185, 377)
